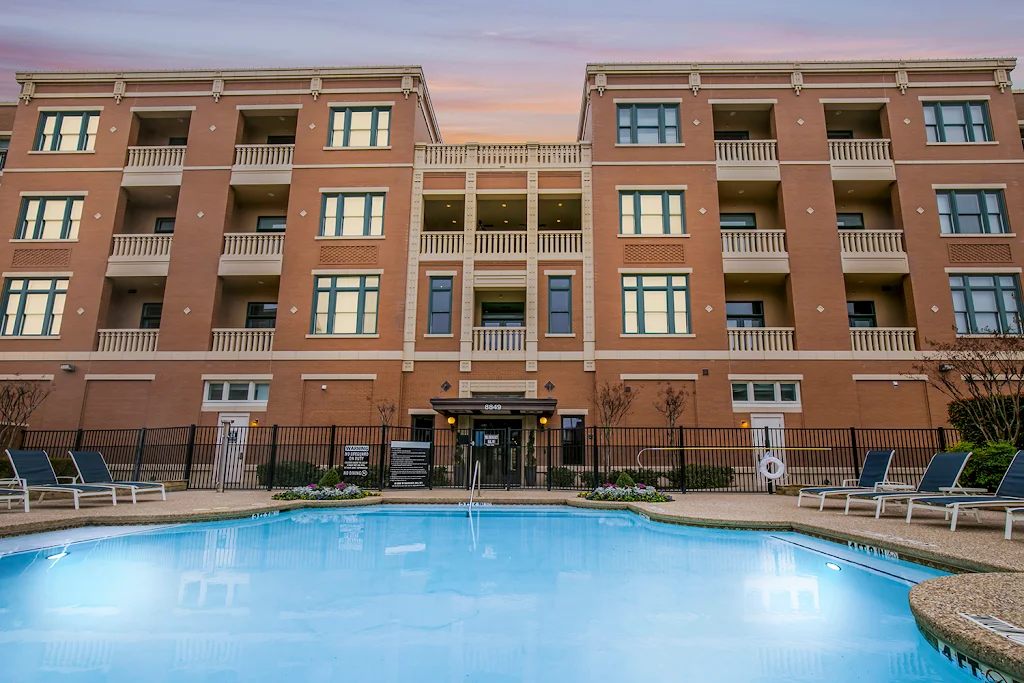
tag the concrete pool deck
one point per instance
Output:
(937, 604)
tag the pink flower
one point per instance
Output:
(340, 486)
(312, 486)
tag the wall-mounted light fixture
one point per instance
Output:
(945, 367)
(451, 421)
(67, 367)
(744, 424)
(543, 422)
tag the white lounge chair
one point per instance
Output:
(872, 478)
(940, 477)
(34, 468)
(1010, 494)
(92, 469)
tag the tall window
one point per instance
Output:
(971, 212)
(651, 213)
(861, 313)
(151, 313)
(737, 221)
(164, 226)
(352, 215)
(957, 122)
(440, 320)
(4, 144)
(654, 304)
(986, 304)
(744, 314)
(360, 127)
(270, 224)
(33, 307)
(648, 124)
(850, 221)
(345, 304)
(50, 218)
(67, 131)
(574, 439)
(260, 315)
(559, 305)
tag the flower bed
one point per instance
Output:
(626, 494)
(315, 492)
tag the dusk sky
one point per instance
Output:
(497, 71)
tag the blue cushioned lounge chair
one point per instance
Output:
(10, 494)
(1010, 494)
(92, 469)
(873, 473)
(34, 468)
(942, 473)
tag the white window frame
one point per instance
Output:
(224, 403)
(750, 405)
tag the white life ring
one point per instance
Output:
(780, 468)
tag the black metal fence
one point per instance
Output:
(677, 459)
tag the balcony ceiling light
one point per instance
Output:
(558, 220)
(503, 205)
(453, 221)
(838, 113)
(740, 191)
(732, 113)
(448, 206)
(270, 194)
(506, 221)
(559, 203)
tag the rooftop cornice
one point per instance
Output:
(173, 75)
(853, 66)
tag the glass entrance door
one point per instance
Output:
(497, 444)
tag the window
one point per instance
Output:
(260, 315)
(33, 307)
(177, 141)
(651, 213)
(850, 221)
(839, 134)
(744, 314)
(654, 304)
(765, 392)
(440, 309)
(957, 122)
(737, 221)
(237, 392)
(67, 131)
(559, 305)
(648, 124)
(280, 139)
(574, 439)
(352, 215)
(5, 143)
(150, 319)
(986, 304)
(164, 225)
(971, 212)
(360, 127)
(270, 224)
(732, 135)
(50, 218)
(345, 304)
(861, 313)
(423, 429)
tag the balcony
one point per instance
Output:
(499, 246)
(262, 165)
(861, 160)
(883, 342)
(560, 245)
(873, 251)
(243, 343)
(761, 341)
(139, 256)
(754, 251)
(154, 166)
(499, 343)
(528, 155)
(441, 246)
(251, 253)
(747, 160)
(126, 343)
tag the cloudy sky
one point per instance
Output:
(510, 70)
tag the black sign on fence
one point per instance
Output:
(409, 464)
(357, 461)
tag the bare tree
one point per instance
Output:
(386, 408)
(985, 376)
(19, 398)
(671, 404)
(614, 401)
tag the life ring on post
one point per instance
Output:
(764, 467)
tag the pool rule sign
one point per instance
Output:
(409, 464)
(357, 461)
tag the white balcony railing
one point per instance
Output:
(242, 341)
(859, 151)
(255, 244)
(501, 243)
(148, 247)
(753, 242)
(761, 339)
(499, 339)
(883, 338)
(156, 158)
(264, 156)
(560, 243)
(473, 155)
(746, 151)
(560, 155)
(871, 242)
(127, 341)
(438, 244)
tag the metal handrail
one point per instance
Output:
(474, 482)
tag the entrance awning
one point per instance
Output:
(494, 406)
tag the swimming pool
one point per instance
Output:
(396, 593)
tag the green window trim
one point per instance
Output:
(849, 221)
(638, 289)
(271, 223)
(50, 311)
(33, 227)
(326, 289)
(439, 306)
(560, 314)
(971, 119)
(379, 134)
(672, 222)
(744, 314)
(861, 314)
(86, 132)
(259, 313)
(151, 314)
(163, 226)
(737, 221)
(990, 297)
(373, 220)
(957, 218)
(631, 130)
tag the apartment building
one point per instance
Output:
(783, 242)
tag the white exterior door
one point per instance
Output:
(235, 450)
(768, 432)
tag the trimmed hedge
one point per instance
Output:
(289, 473)
(987, 464)
(704, 477)
(968, 428)
(63, 467)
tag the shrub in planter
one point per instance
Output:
(289, 473)
(562, 478)
(703, 477)
(314, 492)
(987, 464)
(331, 478)
(624, 481)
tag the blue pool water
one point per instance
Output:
(427, 594)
